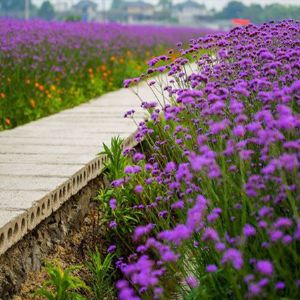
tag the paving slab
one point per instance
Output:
(30, 183)
(38, 159)
(40, 170)
(45, 162)
(52, 141)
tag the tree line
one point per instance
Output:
(45, 11)
(234, 9)
(257, 13)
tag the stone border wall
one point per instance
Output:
(19, 223)
(28, 254)
(26, 240)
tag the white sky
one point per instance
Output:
(218, 4)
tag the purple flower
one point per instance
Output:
(217, 127)
(138, 189)
(212, 217)
(138, 156)
(210, 235)
(142, 230)
(264, 267)
(297, 232)
(171, 166)
(282, 222)
(280, 285)
(192, 281)
(220, 246)
(112, 224)
(177, 205)
(113, 203)
(176, 235)
(239, 131)
(233, 256)
(117, 183)
(254, 289)
(111, 248)
(249, 230)
(211, 268)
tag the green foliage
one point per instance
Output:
(13, 5)
(39, 93)
(116, 4)
(72, 18)
(257, 13)
(233, 9)
(123, 215)
(62, 284)
(102, 272)
(117, 161)
(46, 11)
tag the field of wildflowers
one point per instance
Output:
(208, 206)
(49, 66)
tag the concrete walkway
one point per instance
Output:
(44, 163)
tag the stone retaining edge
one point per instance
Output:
(24, 221)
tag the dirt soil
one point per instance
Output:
(73, 251)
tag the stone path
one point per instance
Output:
(44, 163)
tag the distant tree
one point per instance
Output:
(14, 5)
(233, 9)
(254, 13)
(72, 18)
(166, 5)
(116, 4)
(165, 10)
(258, 14)
(279, 12)
(46, 11)
(116, 12)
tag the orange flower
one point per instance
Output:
(32, 103)
(90, 70)
(174, 56)
(41, 87)
(36, 85)
(112, 58)
(103, 67)
(7, 121)
(2, 95)
(27, 81)
(53, 88)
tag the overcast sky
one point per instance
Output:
(218, 4)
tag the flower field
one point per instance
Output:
(207, 207)
(49, 66)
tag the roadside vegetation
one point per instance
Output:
(50, 66)
(207, 207)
